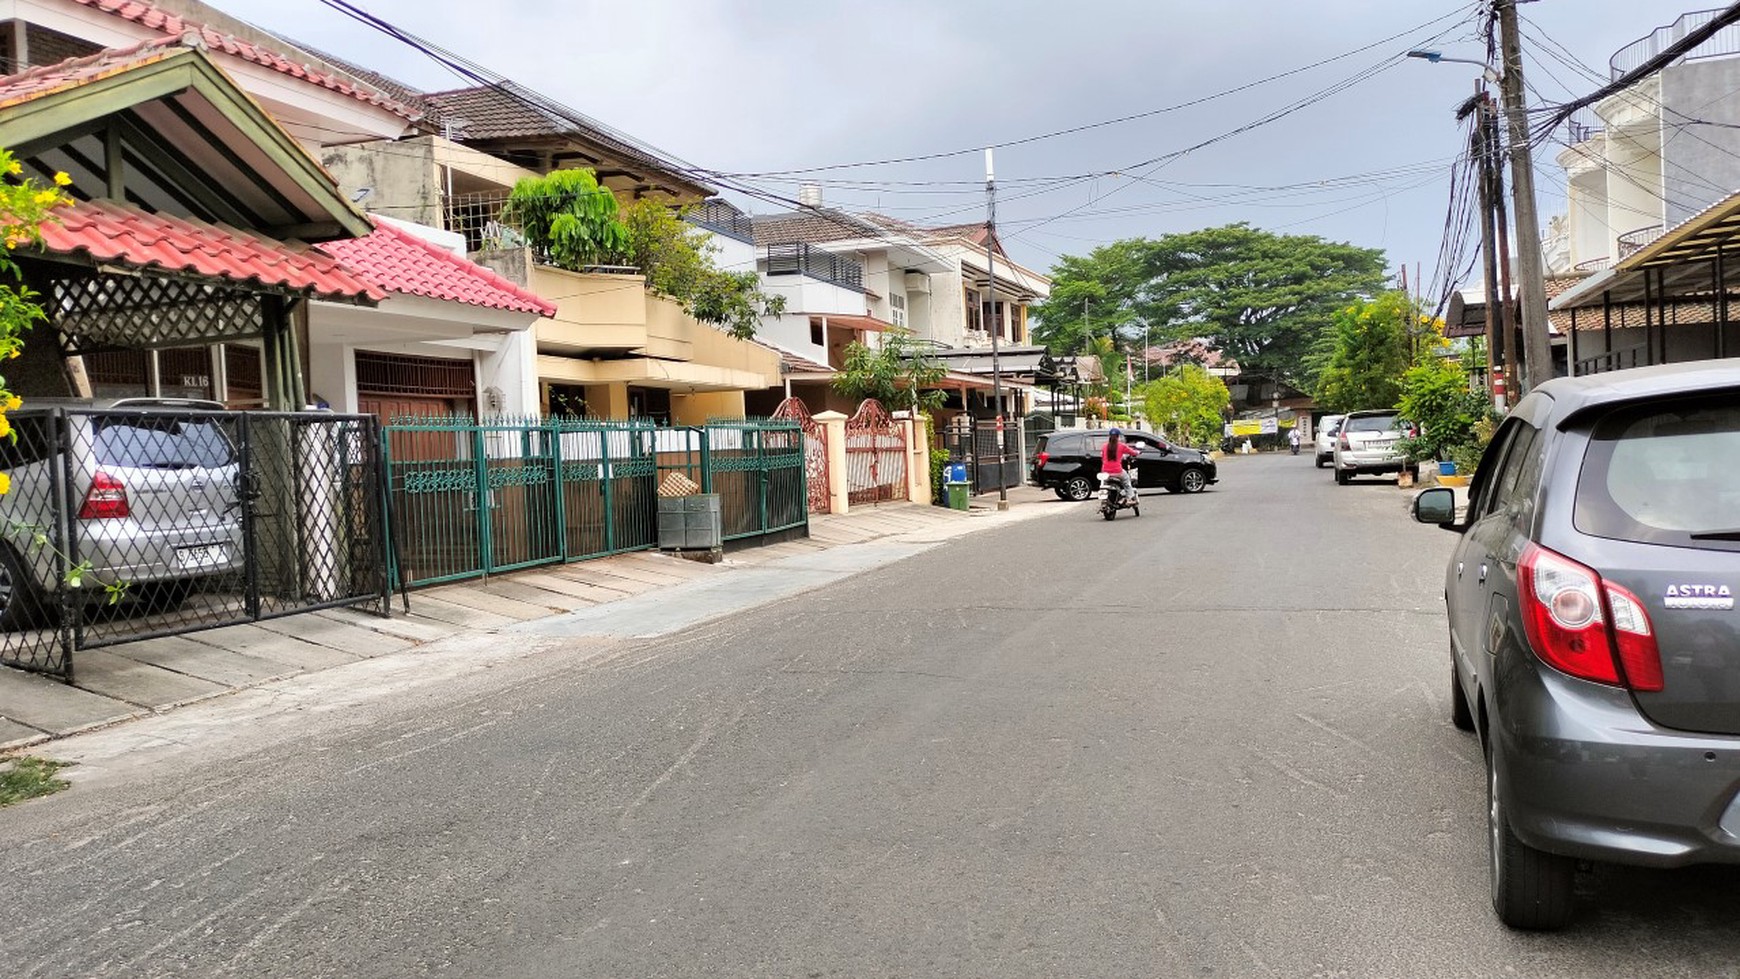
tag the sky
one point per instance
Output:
(763, 86)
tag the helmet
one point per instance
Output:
(1116, 432)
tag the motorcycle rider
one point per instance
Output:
(1293, 438)
(1112, 462)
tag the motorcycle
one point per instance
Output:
(1295, 444)
(1112, 500)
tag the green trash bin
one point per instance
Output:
(958, 494)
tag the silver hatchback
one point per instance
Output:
(1594, 641)
(146, 488)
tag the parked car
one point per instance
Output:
(1327, 429)
(1068, 464)
(1594, 643)
(1366, 445)
(152, 501)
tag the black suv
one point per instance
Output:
(1068, 464)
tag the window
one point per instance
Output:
(975, 314)
(818, 335)
(1521, 476)
(148, 442)
(1664, 474)
(1372, 423)
(897, 310)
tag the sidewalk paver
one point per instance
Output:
(53, 707)
(478, 599)
(464, 618)
(412, 625)
(265, 644)
(337, 635)
(140, 684)
(16, 735)
(182, 655)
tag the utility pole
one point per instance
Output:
(991, 307)
(1537, 347)
(1483, 156)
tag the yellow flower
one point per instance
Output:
(62, 180)
(15, 168)
(5, 484)
(14, 354)
(13, 403)
(5, 426)
(47, 196)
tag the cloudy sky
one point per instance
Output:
(761, 86)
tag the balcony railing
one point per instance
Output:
(1624, 358)
(1631, 57)
(796, 259)
(1632, 242)
(1593, 264)
(721, 218)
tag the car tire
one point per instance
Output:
(1321, 461)
(1077, 488)
(20, 597)
(1192, 480)
(1060, 493)
(1531, 889)
(164, 596)
(1460, 714)
(1342, 477)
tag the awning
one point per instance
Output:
(124, 235)
(868, 323)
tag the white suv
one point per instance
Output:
(1328, 427)
(1366, 444)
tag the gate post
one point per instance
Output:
(918, 460)
(839, 494)
(915, 481)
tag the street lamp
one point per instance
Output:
(1492, 74)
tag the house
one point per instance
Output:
(613, 348)
(345, 355)
(1651, 156)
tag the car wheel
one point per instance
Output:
(1077, 488)
(1060, 493)
(20, 598)
(1531, 889)
(1192, 480)
(1321, 461)
(1460, 715)
(1342, 477)
(164, 596)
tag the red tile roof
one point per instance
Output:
(37, 82)
(173, 25)
(111, 232)
(397, 261)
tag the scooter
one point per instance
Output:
(1112, 501)
(1295, 446)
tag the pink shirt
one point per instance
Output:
(1114, 466)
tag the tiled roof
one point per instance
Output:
(387, 85)
(398, 261)
(790, 363)
(173, 25)
(511, 111)
(34, 83)
(805, 227)
(111, 232)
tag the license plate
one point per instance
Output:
(202, 556)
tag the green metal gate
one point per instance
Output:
(472, 498)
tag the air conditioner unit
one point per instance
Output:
(918, 282)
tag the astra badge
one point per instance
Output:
(1699, 597)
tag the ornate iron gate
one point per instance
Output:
(875, 455)
(134, 523)
(815, 451)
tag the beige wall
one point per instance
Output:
(696, 409)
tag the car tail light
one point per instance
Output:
(1634, 638)
(1569, 630)
(1039, 460)
(1345, 443)
(105, 500)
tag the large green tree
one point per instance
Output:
(1188, 404)
(1261, 297)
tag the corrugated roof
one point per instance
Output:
(396, 260)
(174, 25)
(111, 232)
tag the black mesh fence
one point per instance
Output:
(130, 523)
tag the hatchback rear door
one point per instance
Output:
(178, 469)
(1658, 505)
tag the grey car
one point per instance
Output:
(1594, 642)
(149, 490)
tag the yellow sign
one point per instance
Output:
(1248, 426)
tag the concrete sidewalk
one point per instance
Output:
(629, 595)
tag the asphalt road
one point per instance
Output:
(1208, 741)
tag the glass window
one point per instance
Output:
(1372, 423)
(1664, 474)
(144, 442)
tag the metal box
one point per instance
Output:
(690, 522)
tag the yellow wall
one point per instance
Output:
(697, 408)
(594, 311)
(607, 400)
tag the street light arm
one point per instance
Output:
(1492, 74)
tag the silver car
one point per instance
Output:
(1366, 444)
(146, 486)
(1328, 427)
(1594, 641)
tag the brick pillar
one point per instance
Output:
(834, 424)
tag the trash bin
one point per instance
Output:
(1446, 468)
(957, 472)
(958, 494)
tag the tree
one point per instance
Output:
(677, 259)
(1367, 352)
(899, 372)
(566, 215)
(1188, 404)
(1435, 395)
(1261, 297)
(24, 206)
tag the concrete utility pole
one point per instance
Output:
(991, 307)
(1537, 347)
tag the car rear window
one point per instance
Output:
(1371, 423)
(1664, 474)
(161, 443)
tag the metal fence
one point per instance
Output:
(875, 455)
(817, 263)
(129, 524)
(476, 497)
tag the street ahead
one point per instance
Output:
(1211, 740)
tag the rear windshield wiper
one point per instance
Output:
(1716, 535)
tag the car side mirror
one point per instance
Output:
(1437, 506)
